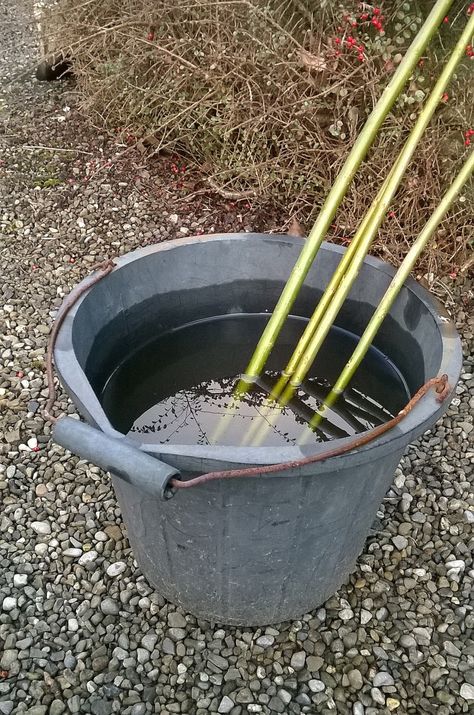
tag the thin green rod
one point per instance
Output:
(391, 293)
(339, 188)
(336, 278)
(269, 403)
(376, 219)
(347, 271)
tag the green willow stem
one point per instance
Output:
(349, 267)
(391, 293)
(339, 188)
(278, 388)
(383, 203)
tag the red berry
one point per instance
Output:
(467, 142)
(444, 97)
(446, 20)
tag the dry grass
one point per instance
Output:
(257, 98)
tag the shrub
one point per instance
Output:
(267, 97)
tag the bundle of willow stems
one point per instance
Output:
(348, 269)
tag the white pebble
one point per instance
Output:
(73, 553)
(265, 641)
(116, 568)
(41, 549)
(346, 614)
(9, 603)
(457, 565)
(41, 527)
(467, 691)
(88, 557)
(316, 686)
(20, 579)
(72, 625)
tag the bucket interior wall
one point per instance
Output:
(158, 293)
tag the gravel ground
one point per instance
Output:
(80, 629)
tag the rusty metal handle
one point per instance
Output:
(440, 384)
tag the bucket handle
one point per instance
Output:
(118, 456)
(158, 478)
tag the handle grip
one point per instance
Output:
(120, 457)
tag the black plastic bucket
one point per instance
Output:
(257, 550)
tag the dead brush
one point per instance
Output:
(262, 101)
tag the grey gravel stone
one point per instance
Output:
(298, 660)
(9, 603)
(284, 696)
(109, 607)
(314, 663)
(176, 620)
(400, 542)
(20, 580)
(168, 646)
(116, 569)
(265, 641)
(276, 705)
(138, 709)
(225, 705)
(467, 692)
(8, 658)
(355, 679)
(382, 678)
(42, 528)
(177, 634)
(218, 661)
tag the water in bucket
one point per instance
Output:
(178, 386)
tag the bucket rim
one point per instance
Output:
(204, 458)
